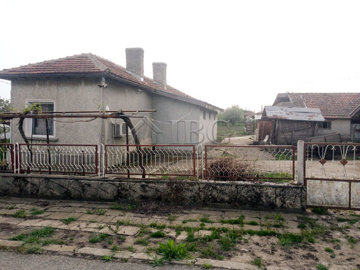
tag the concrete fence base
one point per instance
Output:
(199, 192)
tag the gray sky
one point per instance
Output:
(223, 52)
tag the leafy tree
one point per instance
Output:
(4, 105)
(234, 114)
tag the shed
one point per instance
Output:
(288, 125)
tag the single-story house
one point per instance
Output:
(87, 82)
(341, 112)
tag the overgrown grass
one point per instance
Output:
(68, 220)
(20, 214)
(320, 210)
(239, 221)
(257, 261)
(35, 212)
(36, 236)
(95, 238)
(172, 251)
(157, 234)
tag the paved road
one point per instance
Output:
(15, 261)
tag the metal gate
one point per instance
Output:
(332, 175)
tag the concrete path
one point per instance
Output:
(243, 140)
(221, 238)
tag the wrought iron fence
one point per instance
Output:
(170, 160)
(249, 162)
(332, 175)
(7, 157)
(332, 161)
(58, 158)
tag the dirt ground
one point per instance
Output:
(253, 239)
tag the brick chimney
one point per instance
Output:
(135, 61)
(159, 73)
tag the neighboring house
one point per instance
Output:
(87, 82)
(340, 110)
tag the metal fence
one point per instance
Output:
(222, 162)
(332, 174)
(249, 162)
(7, 157)
(58, 158)
(170, 160)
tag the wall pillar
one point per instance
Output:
(300, 163)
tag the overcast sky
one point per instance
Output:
(223, 52)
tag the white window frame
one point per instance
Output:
(29, 121)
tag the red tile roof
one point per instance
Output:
(332, 105)
(92, 64)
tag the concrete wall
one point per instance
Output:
(341, 126)
(118, 96)
(175, 121)
(201, 193)
(182, 123)
(68, 95)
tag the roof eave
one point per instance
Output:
(165, 94)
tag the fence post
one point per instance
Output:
(300, 162)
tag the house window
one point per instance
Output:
(325, 125)
(204, 115)
(38, 126)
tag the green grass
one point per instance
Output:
(142, 241)
(68, 220)
(20, 214)
(320, 210)
(257, 261)
(157, 261)
(207, 266)
(95, 238)
(36, 236)
(158, 226)
(157, 234)
(239, 221)
(329, 250)
(252, 222)
(131, 249)
(35, 212)
(205, 219)
(321, 267)
(172, 251)
(172, 218)
(107, 258)
(288, 239)
(224, 130)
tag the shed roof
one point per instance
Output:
(294, 113)
(332, 105)
(92, 65)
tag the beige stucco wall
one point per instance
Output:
(174, 121)
(341, 126)
(67, 95)
(180, 122)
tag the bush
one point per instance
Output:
(229, 169)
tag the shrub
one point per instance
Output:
(229, 168)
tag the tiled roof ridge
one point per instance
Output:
(45, 62)
(96, 61)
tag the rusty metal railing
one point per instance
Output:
(249, 162)
(150, 160)
(58, 158)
